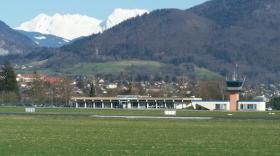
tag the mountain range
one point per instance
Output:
(72, 26)
(215, 36)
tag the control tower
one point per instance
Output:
(234, 87)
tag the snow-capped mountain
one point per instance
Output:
(71, 26)
(119, 15)
(44, 40)
(65, 26)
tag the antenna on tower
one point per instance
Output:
(244, 79)
(235, 75)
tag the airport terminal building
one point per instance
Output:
(132, 102)
(140, 102)
(234, 88)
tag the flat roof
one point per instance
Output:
(135, 98)
(209, 101)
(250, 101)
(225, 101)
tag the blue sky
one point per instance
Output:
(14, 12)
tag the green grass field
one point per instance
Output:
(111, 67)
(76, 132)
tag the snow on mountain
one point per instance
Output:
(119, 15)
(40, 37)
(65, 26)
(65, 40)
(71, 26)
(3, 52)
(45, 40)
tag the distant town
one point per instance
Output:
(98, 86)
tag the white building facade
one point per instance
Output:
(211, 105)
(251, 106)
(225, 105)
(138, 102)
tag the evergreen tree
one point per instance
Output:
(8, 82)
(275, 103)
(92, 92)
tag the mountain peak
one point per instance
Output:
(71, 26)
(119, 15)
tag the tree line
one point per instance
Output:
(40, 92)
(44, 93)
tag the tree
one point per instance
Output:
(8, 84)
(167, 79)
(8, 79)
(130, 88)
(81, 83)
(92, 92)
(210, 89)
(59, 93)
(274, 103)
(67, 90)
(37, 92)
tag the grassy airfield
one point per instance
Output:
(77, 132)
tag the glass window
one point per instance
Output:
(218, 107)
(252, 106)
(223, 106)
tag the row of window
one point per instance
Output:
(248, 106)
(242, 106)
(221, 107)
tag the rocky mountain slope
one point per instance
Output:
(13, 42)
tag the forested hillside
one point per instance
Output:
(216, 36)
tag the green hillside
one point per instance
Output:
(113, 67)
(132, 67)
